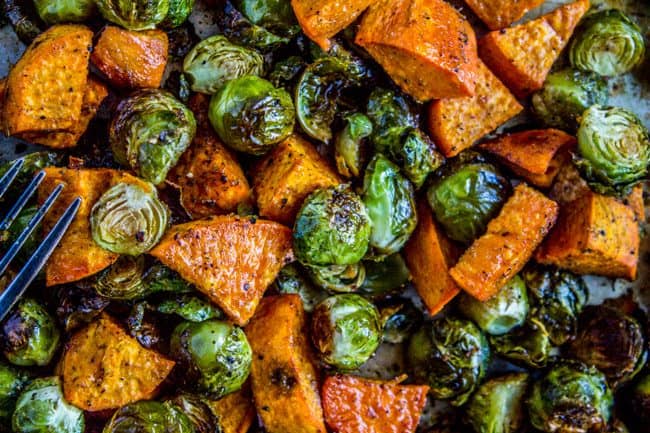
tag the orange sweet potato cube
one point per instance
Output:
(235, 412)
(497, 14)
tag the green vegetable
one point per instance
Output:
(123, 279)
(286, 71)
(638, 400)
(346, 330)
(12, 382)
(17, 226)
(239, 29)
(78, 306)
(338, 278)
(390, 112)
(385, 276)
(607, 43)
(41, 408)
(134, 14)
(528, 344)
(216, 352)
(189, 307)
(570, 397)
(144, 326)
(159, 278)
(250, 115)
(292, 279)
(24, 20)
(401, 322)
(33, 163)
(29, 334)
(497, 406)
(451, 356)
(331, 228)
(62, 11)
(215, 61)
(274, 15)
(128, 220)
(613, 149)
(348, 147)
(149, 417)
(198, 412)
(179, 11)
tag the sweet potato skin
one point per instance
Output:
(357, 405)
(235, 411)
(426, 47)
(283, 376)
(429, 252)
(104, 368)
(230, 259)
(508, 244)
(497, 14)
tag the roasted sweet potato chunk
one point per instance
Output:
(357, 405)
(283, 376)
(595, 234)
(456, 124)
(231, 259)
(235, 412)
(426, 46)
(105, 368)
(131, 59)
(497, 14)
(522, 56)
(291, 172)
(508, 244)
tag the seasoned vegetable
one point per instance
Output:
(321, 20)
(286, 71)
(12, 382)
(235, 412)
(179, 11)
(528, 344)
(291, 279)
(123, 279)
(389, 112)
(239, 29)
(149, 417)
(78, 306)
(451, 356)
(274, 15)
(403, 320)
(607, 43)
(346, 330)
(338, 278)
(189, 307)
(348, 147)
(497, 14)
(197, 410)
(385, 276)
(134, 15)
(33, 162)
(497, 406)
(61, 11)
(21, 222)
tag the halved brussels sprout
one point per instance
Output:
(198, 412)
(33, 162)
(149, 417)
(12, 382)
(21, 222)
(123, 279)
(215, 61)
(613, 149)
(128, 220)
(275, 15)
(252, 116)
(78, 306)
(331, 228)
(451, 356)
(607, 43)
(292, 279)
(134, 14)
(528, 344)
(41, 408)
(566, 95)
(346, 330)
(179, 11)
(239, 29)
(62, 11)
(570, 397)
(189, 307)
(338, 278)
(501, 313)
(497, 406)
(29, 334)
(390, 202)
(348, 147)
(385, 276)
(400, 322)
(389, 111)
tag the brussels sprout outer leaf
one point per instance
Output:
(528, 344)
(12, 382)
(190, 308)
(497, 406)
(348, 151)
(383, 277)
(134, 15)
(179, 11)
(338, 278)
(292, 280)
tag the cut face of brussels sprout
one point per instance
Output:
(528, 344)
(12, 382)
(134, 14)
(190, 308)
(251, 116)
(275, 15)
(239, 29)
(338, 278)
(215, 60)
(123, 279)
(346, 330)
(607, 43)
(149, 417)
(128, 220)
(41, 408)
(613, 149)
(198, 412)
(62, 11)
(497, 406)
(384, 277)
(292, 279)
(332, 228)
(348, 151)
(179, 11)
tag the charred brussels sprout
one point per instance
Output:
(239, 29)
(613, 149)
(216, 352)
(78, 306)
(390, 202)
(338, 278)
(275, 15)
(41, 408)
(348, 147)
(215, 61)
(286, 71)
(292, 279)
(61, 11)
(21, 222)
(451, 356)
(497, 406)
(29, 334)
(346, 330)
(389, 112)
(401, 322)
(179, 11)
(160, 278)
(12, 382)
(250, 115)
(607, 43)
(385, 276)
(190, 308)
(134, 14)
(149, 417)
(198, 412)
(123, 279)
(566, 95)
(528, 344)
(570, 397)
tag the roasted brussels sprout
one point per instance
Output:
(215, 61)
(150, 131)
(348, 150)
(159, 278)
(12, 382)
(216, 352)
(239, 29)
(198, 412)
(292, 279)
(149, 417)
(346, 330)
(286, 71)
(390, 202)
(607, 43)
(338, 278)
(250, 115)
(41, 408)
(385, 276)
(389, 112)
(128, 219)
(416, 154)
(497, 406)
(29, 334)
(566, 95)
(179, 11)
(451, 356)
(33, 162)
(134, 14)
(61, 11)
(638, 402)
(401, 322)
(21, 222)
(613, 149)
(332, 228)
(503, 312)
(144, 326)
(528, 344)
(274, 15)
(123, 279)
(78, 306)
(190, 308)
(570, 397)
(22, 16)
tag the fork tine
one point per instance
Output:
(22, 201)
(33, 222)
(28, 273)
(10, 175)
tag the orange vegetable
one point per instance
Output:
(456, 124)
(235, 412)
(357, 405)
(229, 258)
(426, 46)
(508, 244)
(283, 375)
(429, 252)
(522, 56)
(497, 14)
(635, 201)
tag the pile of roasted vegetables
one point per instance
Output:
(265, 208)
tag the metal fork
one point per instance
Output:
(35, 263)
